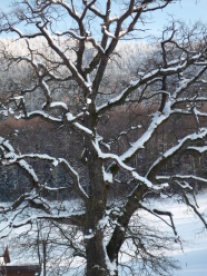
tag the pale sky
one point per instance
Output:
(188, 11)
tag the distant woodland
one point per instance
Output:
(38, 135)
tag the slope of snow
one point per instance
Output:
(191, 258)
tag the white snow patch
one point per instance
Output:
(107, 176)
(59, 104)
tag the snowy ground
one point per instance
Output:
(193, 257)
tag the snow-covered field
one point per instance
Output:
(192, 257)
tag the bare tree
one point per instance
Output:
(72, 87)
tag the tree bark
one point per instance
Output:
(96, 258)
(119, 233)
(96, 254)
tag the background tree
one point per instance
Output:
(70, 48)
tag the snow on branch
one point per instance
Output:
(40, 113)
(201, 149)
(63, 219)
(71, 119)
(56, 162)
(10, 157)
(173, 150)
(134, 85)
(59, 104)
(160, 117)
(79, 78)
(181, 177)
(121, 164)
(157, 120)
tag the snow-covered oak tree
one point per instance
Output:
(76, 59)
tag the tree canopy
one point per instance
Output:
(129, 114)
